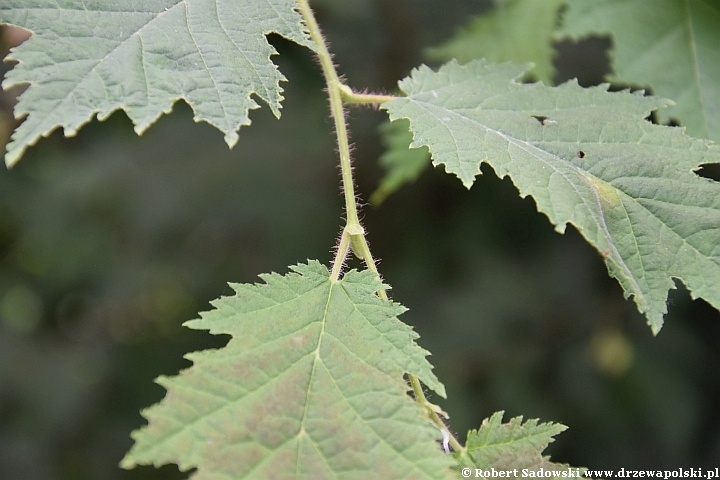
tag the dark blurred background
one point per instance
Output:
(108, 242)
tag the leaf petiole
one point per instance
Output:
(363, 98)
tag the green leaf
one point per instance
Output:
(309, 386)
(95, 57)
(403, 164)
(513, 446)
(587, 157)
(670, 46)
(514, 31)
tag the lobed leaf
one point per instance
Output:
(309, 386)
(670, 46)
(514, 31)
(403, 164)
(95, 57)
(514, 446)
(587, 157)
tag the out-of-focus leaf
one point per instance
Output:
(403, 164)
(514, 31)
(671, 46)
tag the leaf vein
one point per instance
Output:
(600, 223)
(202, 57)
(370, 427)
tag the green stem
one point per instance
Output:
(363, 98)
(430, 408)
(432, 412)
(353, 234)
(336, 109)
(340, 255)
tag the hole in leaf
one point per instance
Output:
(586, 60)
(540, 118)
(709, 170)
(653, 118)
(580, 154)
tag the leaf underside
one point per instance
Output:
(671, 46)
(517, 31)
(95, 57)
(587, 157)
(309, 386)
(512, 445)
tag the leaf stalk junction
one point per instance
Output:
(353, 235)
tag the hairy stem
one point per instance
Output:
(342, 251)
(336, 110)
(363, 98)
(353, 234)
(432, 412)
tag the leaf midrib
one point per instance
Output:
(319, 360)
(301, 430)
(596, 209)
(602, 225)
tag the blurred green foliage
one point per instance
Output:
(108, 242)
